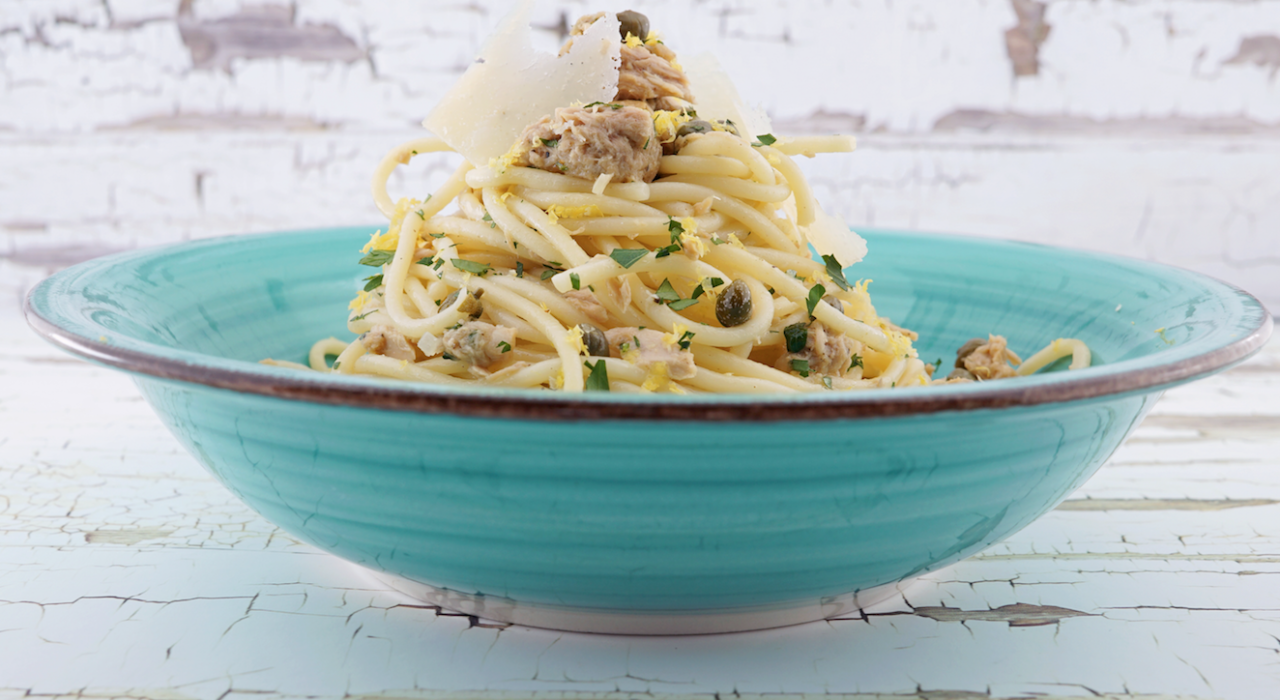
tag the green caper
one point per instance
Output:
(633, 23)
(968, 348)
(470, 304)
(797, 335)
(834, 302)
(697, 126)
(733, 308)
(597, 344)
(961, 373)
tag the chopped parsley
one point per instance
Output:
(675, 227)
(765, 140)
(685, 339)
(598, 380)
(550, 143)
(519, 269)
(372, 283)
(357, 318)
(436, 235)
(682, 304)
(610, 105)
(378, 258)
(856, 361)
(548, 274)
(488, 218)
(575, 281)
(836, 272)
(471, 266)
(646, 143)
(421, 215)
(826, 381)
(506, 347)
(718, 241)
(667, 250)
(667, 293)
(425, 261)
(815, 296)
(797, 335)
(627, 256)
(801, 367)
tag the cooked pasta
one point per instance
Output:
(625, 246)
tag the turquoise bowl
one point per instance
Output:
(648, 514)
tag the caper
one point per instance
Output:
(697, 126)
(633, 23)
(470, 304)
(968, 348)
(592, 337)
(961, 373)
(834, 302)
(733, 308)
(797, 335)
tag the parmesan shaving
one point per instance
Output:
(719, 99)
(601, 183)
(510, 85)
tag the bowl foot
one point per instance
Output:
(640, 622)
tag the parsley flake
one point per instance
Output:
(765, 140)
(378, 258)
(856, 361)
(836, 271)
(598, 380)
(797, 335)
(675, 227)
(373, 283)
(801, 367)
(667, 293)
(436, 235)
(685, 339)
(815, 296)
(547, 274)
(575, 281)
(357, 318)
(519, 269)
(826, 381)
(471, 266)
(682, 304)
(550, 143)
(425, 261)
(626, 257)
(488, 218)
(506, 347)
(421, 215)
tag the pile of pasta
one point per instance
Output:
(655, 257)
(692, 272)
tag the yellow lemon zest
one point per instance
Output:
(633, 41)
(574, 338)
(359, 302)
(733, 238)
(657, 378)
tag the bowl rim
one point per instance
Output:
(166, 363)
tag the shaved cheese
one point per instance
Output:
(511, 86)
(830, 235)
(717, 98)
(601, 183)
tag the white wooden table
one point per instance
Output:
(126, 571)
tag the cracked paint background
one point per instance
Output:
(1147, 128)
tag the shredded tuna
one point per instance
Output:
(992, 360)
(478, 343)
(648, 73)
(588, 142)
(385, 340)
(828, 354)
(646, 348)
(587, 303)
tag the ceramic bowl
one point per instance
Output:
(648, 514)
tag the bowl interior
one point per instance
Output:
(231, 302)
